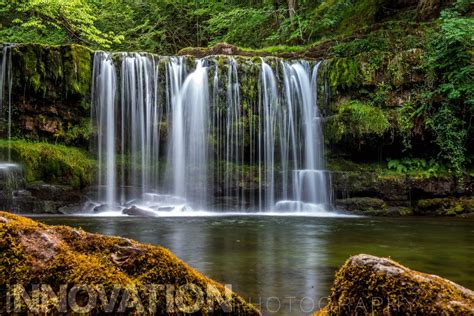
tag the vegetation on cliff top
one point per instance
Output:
(168, 26)
(33, 253)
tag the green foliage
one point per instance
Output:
(450, 84)
(59, 19)
(357, 119)
(53, 163)
(357, 46)
(234, 26)
(74, 134)
(343, 73)
(166, 26)
(417, 166)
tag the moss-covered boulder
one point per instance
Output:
(100, 274)
(368, 285)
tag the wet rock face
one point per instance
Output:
(51, 92)
(428, 9)
(379, 286)
(41, 198)
(59, 256)
(369, 193)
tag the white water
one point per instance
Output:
(104, 99)
(6, 82)
(11, 177)
(189, 115)
(160, 129)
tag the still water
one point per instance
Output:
(285, 265)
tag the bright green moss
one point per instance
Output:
(53, 72)
(77, 69)
(356, 119)
(343, 73)
(52, 163)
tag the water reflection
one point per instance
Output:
(286, 264)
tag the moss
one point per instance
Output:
(33, 253)
(356, 119)
(53, 163)
(445, 206)
(406, 67)
(53, 71)
(73, 134)
(77, 69)
(363, 204)
(343, 73)
(378, 286)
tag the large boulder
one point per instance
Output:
(71, 271)
(379, 286)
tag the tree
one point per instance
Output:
(75, 18)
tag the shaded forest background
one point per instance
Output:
(166, 26)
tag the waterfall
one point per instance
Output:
(293, 122)
(269, 111)
(175, 133)
(6, 82)
(104, 114)
(189, 115)
(310, 180)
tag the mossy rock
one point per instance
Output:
(445, 206)
(34, 253)
(368, 285)
(56, 164)
(53, 71)
(361, 204)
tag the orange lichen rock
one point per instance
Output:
(50, 269)
(379, 286)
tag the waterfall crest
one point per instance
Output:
(175, 133)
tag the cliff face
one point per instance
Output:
(51, 93)
(378, 145)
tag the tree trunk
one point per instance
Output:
(291, 8)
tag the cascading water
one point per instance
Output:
(6, 82)
(171, 139)
(11, 180)
(11, 174)
(310, 180)
(188, 156)
(104, 114)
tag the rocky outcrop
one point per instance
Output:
(428, 9)
(96, 274)
(51, 92)
(368, 285)
(43, 198)
(376, 193)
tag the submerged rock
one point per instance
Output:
(133, 278)
(106, 208)
(378, 286)
(136, 211)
